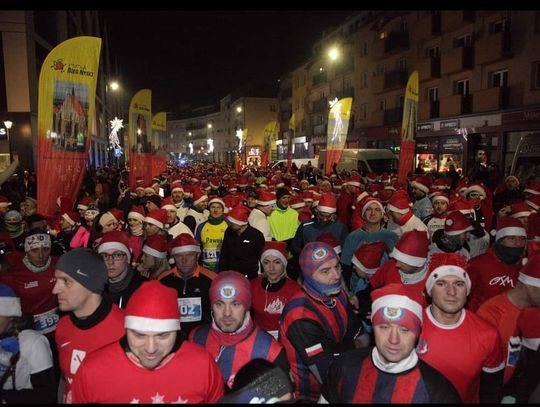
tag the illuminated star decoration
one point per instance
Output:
(116, 125)
(336, 133)
(180, 400)
(158, 399)
(240, 135)
(210, 143)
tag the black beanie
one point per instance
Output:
(156, 199)
(280, 192)
(86, 267)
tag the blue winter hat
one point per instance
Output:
(10, 304)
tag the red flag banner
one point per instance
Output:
(338, 127)
(140, 131)
(408, 128)
(66, 106)
(159, 165)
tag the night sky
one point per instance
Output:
(197, 57)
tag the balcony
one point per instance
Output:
(285, 93)
(396, 41)
(346, 66)
(429, 68)
(455, 105)
(390, 80)
(319, 78)
(428, 110)
(491, 99)
(493, 48)
(457, 60)
(427, 27)
(453, 19)
(320, 105)
(393, 116)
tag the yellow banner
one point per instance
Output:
(410, 108)
(338, 123)
(159, 121)
(66, 108)
(139, 134)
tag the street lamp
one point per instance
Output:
(114, 85)
(8, 125)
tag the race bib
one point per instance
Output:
(190, 309)
(46, 321)
(211, 254)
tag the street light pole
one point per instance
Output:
(8, 125)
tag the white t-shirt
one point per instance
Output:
(36, 356)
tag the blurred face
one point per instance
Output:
(324, 217)
(27, 208)
(4, 324)
(149, 193)
(394, 342)
(418, 193)
(326, 186)
(463, 237)
(186, 262)
(134, 222)
(513, 241)
(251, 202)
(511, 184)
(39, 256)
(150, 206)
(407, 268)
(449, 295)
(151, 229)
(373, 214)
(284, 201)
(150, 347)
(329, 273)
(273, 268)
(202, 205)
(229, 314)
(524, 221)
(71, 295)
(147, 261)
(267, 209)
(116, 262)
(110, 226)
(64, 224)
(440, 206)
(216, 210)
(140, 193)
(395, 216)
(171, 215)
(177, 195)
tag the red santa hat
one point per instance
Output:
(512, 178)
(456, 223)
(478, 188)
(153, 307)
(242, 181)
(277, 249)
(439, 196)
(370, 201)
(422, 182)
(266, 198)
(412, 248)
(117, 213)
(183, 243)
(157, 217)
(136, 212)
(372, 177)
(507, 226)
(115, 240)
(177, 186)
(361, 196)
(72, 217)
(327, 203)
(149, 190)
(84, 203)
(461, 205)
(297, 202)
(155, 245)
(399, 202)
(394, 304)
(198, 196)
(239, 215)
(331, 240)
(441, 184)
(168, 204)
(447, 264)
(533, 188)
(231, 285)
(367, 257)
(519, 209)
(217, 200)
(355, 181)
(534, 202)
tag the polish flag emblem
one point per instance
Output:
(314, 350)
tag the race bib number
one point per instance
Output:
(46, 321)
(211, 254)
(190, 309)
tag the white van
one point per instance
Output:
(364, 160)
(297, 161)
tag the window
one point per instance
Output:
(383, 35)
(498, 79)
(461, 87)
(364, 111)
(536, 75)
(499, 26)
(364, 80)
(432, 52)
(463, 41)
(381, 104)
(401, 64)
(432, 94)
(364, 50)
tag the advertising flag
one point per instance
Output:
(159, 132)
(336, 134)
(66, 108)
(139, 145)
(269, 136)
(408, 127)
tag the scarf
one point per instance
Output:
(215, 221)
(321, 292)
(414, 277)
(394, 367)
(14, 229)
(136, 230)
(230, 339)
(508, 255)
(33, 268)
(122, 282)
(404, 219)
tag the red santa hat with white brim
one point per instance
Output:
(412, 248)
(277, 249)
(507, 226)
(183, 243)
(327, 203)
(530, 274)
(393, 303)
(447, 264)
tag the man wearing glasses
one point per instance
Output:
(122, 279)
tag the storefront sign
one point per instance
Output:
(450, 124)
(427, 145)
(452, 143)
(524, 116)
(425, 127)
